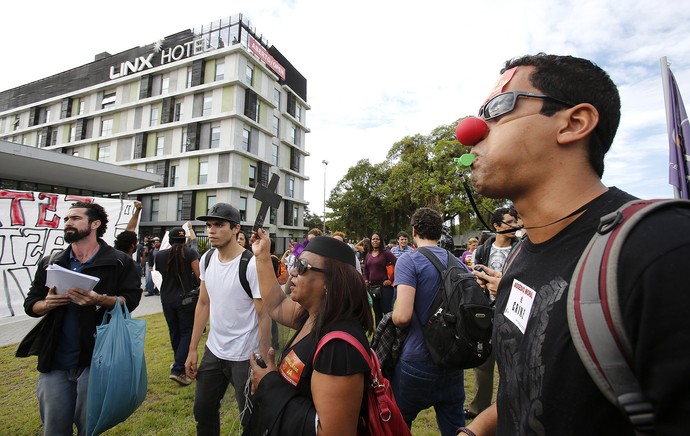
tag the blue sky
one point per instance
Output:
(378, 71)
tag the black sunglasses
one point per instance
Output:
(505, 103)
(302, 267)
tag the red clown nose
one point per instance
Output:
(471, 130)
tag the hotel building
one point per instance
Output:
(214, 111)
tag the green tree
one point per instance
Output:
(419, 170)
(312, 220)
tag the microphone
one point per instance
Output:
(471, 130)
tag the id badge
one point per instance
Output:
(519, 304)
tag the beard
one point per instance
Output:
(76, 235)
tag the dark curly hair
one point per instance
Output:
(95, 212)
(427, 223)
(577, 81)
(125, 240)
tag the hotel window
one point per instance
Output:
(276, 97)
(274, 154)
(47, 112)
(165, 84)
(276, 126)
(103, 152)
(15, 125)
(154, 117)
(108, 99)
(249, 75)
(295, 215)
(183, 143)
(178, 111)
(72, 132)
(155, 205)
(220, 69)
(203, 173)
(180, 200)
(273, 216)
(291, 187)
(298, 112)
(188, 83)
(151, 168)
(210, 200)
(215, 137)
(173, 175)
(246, 138)
(208, 106)
(160, 145)
(82, 106)
(243, 208)
(252, 176)
(107, 127)
(293, 134)
(53, 137)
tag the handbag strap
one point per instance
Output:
(377, 379)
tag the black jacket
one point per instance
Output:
(118, 277)
(481, 255)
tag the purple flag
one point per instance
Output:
(678, 135)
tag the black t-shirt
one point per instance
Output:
(173, 287)
(336, 358)
(544, 387)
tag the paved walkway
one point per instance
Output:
(14, 328)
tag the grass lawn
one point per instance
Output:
(167, 409)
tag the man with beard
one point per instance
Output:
(64, 339)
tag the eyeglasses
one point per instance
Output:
(302, 267)
(505, 103)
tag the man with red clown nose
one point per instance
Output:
(539, 140)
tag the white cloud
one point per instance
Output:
(378, 71)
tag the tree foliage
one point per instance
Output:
(419, 171)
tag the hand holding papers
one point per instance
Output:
(64, 279)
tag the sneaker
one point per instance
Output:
(181, 379)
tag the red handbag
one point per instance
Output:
(380, 414)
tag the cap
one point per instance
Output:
(332, 248)
(177, 234)
(222, 211)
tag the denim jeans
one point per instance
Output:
(149, 280)
(420, 385)
(212, 379)
(180, 324)
(62, 401)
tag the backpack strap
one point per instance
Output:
(328, 337)
(244, 261)
(594, 317)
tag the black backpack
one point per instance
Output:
(458, 332)
(244, 261)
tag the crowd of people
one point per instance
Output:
(325, 283)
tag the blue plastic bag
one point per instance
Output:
(117, 377)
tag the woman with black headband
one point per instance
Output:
(327, 294)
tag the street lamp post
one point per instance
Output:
(325, 165)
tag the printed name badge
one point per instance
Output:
(519, 304)
(291, 368)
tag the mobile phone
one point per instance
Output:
(481, 269)
(259, 360)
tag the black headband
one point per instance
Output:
(332, 248)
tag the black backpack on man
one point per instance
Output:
(458, 331)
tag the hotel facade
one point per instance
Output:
(214, 111)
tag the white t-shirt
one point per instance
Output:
(498, 257)
(234, 329)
